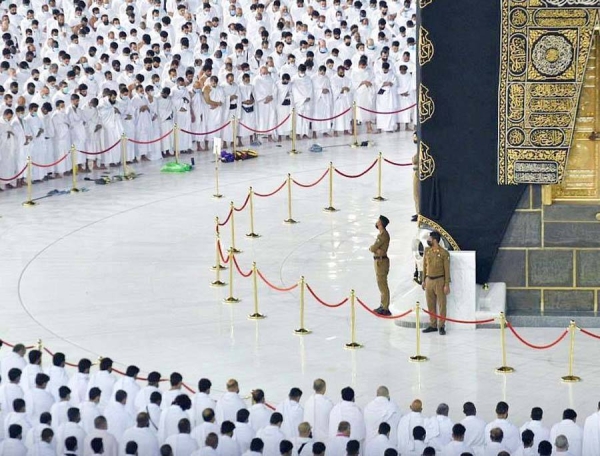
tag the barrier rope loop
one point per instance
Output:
(274, 287)
(224, 259)
(587, 333)
(85, 152)
(320, 301)
(206, 132)
(14, 177)
(354, 176)
(254, 130)
(237, 266)
(240, 209)
(50, 165)
(318, 181)
(537, 347)
(325, 119)
(385, 317)
(135, 141)
(266, 195)
(396, 163)
(226, 221)
(455, 320)
(388, 112)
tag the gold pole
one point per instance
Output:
(233, 135)
(176, 141)
(252, 234)
(290, 219)
(74, 188)
(379, 171)
(354, 125)
(418, 358)
(294, 150)
(29, 201)
(217, 194)
(302, 331)
(230, 299)
(233, 230)
(330, 208)
(571, 378)
(218, 264)
(353, 345)
(256, 315)
(39, 344)
(124, 155)
(505, 369)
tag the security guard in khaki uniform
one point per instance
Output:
(382, 264)
(436, 281)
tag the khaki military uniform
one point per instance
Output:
(382, 266)
(436, 273)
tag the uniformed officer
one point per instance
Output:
(382, 264)
(436, 281)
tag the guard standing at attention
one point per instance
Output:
(382, 264)
(436, 281)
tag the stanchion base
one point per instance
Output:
(256, 316)
(379, 198)
(571, 379)
(353, 346)
(231, 300)
(217, 195)
(220, 267)
(29, 203)
(75, 190)
(130, 176)
(505, 370)
(234, 250)
(330, 209)
(253, 235)
(294, 152)
(418, 359)
(302, 332)
(218, 283)
(355, 145)
(290, 221)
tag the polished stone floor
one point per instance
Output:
(123, 270)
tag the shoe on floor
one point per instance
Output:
(414, 218)
(385, 312)
(430, 329)
(378, 310)
(442, 331)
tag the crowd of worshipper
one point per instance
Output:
(47, 412)
(84, 73)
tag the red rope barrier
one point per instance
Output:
(318, 181)
(50, 165)
(237, 266)
(52, 354)
(266, 131)
(191, 390)
(135, 141)
(270, 285)
(12, 345)
(243, 205)
(354, 176)
(396, 164)
(102, 151)
(387, 317)
(320, 301)
(454, 320)
(15, 176)
(388, 112)
(227, 219)
(265, 195)
(587, 333)
(537, 347)
(206, 132)
(224, 259)
(325, 119)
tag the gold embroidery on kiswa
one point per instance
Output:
(425, 3)
(426, 162)
(426, 104)
(545, 46)
(424, 221)
(426, 49)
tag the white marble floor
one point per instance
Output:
(123, 270)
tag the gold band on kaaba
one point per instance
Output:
(425, 222)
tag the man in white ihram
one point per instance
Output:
(571, 430)
(292, 413)
(271, 435)
(540, 432)
(229, 404)
(406, 425)
(347, 410)
(591, 434)
(142, 435)
(317, 409)
(475, 428)
(377, 445)
(511, 437)
(382, 410)
(439, 428)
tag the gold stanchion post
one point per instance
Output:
(217, 264)
(29, 201)
(571, 378)
(256, 315)
(252, 234)
(505, 369)
(74, 188)
(330, 208)
(176, 141)
(418, 358)
(233, 230)
(354, 126)
(302, 331)
(379, 172)
(290, 219)
(233, 135)
(39, 344)
(230, 299)
(294, 120)
(217, 194)
(353, 345)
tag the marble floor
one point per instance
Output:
(123, 270)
